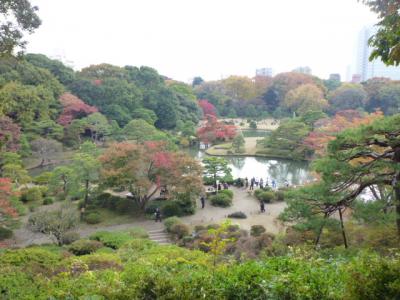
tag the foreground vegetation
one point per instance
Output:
(140, 269)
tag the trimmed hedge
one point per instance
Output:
(84, 247)
(229, 193)
(221, 200)
(92, 217)
(237, 215)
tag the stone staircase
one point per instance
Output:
(159, 236)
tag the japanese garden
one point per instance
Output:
(119, 182)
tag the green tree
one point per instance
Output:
(238, 143)
(86, 168)
(347, 96)
(63, 179)
(305, 98)
(17, 17)
(146, 114)
(386, 41)
(216, 168)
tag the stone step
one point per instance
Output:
(155, 231)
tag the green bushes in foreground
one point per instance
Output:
(141, 269)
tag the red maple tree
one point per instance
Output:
(73, 108)
(207, 107)
(327, 128)
(214, 130)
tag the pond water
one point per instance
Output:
(295, 172)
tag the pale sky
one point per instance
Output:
(207, 38)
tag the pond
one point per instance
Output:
(281, 170)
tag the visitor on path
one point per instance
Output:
(262, 206)
(286, 183)
(219, 186)
(203, 201)
(273, 183)
(226, 186)
(158, 215)
(246, 182)
(261, 183)
(252, 184)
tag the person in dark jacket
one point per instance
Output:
(203, 201)
(262, 206)
(158, 215)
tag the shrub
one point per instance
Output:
(43, 178)
(171, 221)
(151, 206)
(265, 196)
(123, 205)
(138, 233)
(257, 230)
(180, 230)
(221, 200)
(213, 226)
(237, 215)
(280, 196)
(92, 217)
(187, 203)
(83, 247)
(171, 208)
(32, 194)
(113, 240)
(5, 233)
(229, 193)
(48, 200)
(70, 237)
(198, 228)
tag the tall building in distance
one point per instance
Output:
(266, 72)
(303, 70)
(376, 68)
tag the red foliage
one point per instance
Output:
(97, 82)
(214, 130)
(327, 128)
(73, 108)
(9, 134)
(207, 107)
(6, 207)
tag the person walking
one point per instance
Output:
(252, 184)
(246, 182)
(203, 201)
(261, 183)
(262, 206)
(158, 215)
(273, 183)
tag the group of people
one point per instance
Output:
(255, 182)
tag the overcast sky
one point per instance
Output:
(207, 38)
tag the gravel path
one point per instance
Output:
(242, 201)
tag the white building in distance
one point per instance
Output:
(376, 68)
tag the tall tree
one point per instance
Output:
(386, 41)
(305, 98)
(216, 168)
(145, 168)
(17, 17)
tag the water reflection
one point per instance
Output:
(294, 172)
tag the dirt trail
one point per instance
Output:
(242, 201)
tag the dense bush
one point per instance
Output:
(221, 200)
(171, 208)
(229, 193)
(5, 233)
(70, 237)
(33, 194)
(114, 203)
(138, 233)
(152, 205)
(280, 195)
(237, 215)
(257, 230)
(171, 221)
(48, 200)
(168, 272)
(92, 217)
(179, 230)
(265, 196)
(113, 240)
(83, 247)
